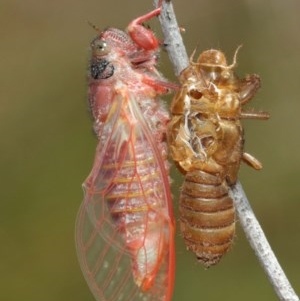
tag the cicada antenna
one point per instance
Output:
(192, 63)
(234, 63)
(192, 57)
(94, 26)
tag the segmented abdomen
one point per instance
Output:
(207, 216)
(136, 201)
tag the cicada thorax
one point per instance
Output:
(206, 142)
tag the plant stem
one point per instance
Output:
(261, 246)
(172, 38)
(176, 50)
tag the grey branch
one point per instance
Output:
(254, 233)
(261, 247)
(172, 38)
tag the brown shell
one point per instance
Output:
(206, 141)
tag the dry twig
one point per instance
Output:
(254, 233)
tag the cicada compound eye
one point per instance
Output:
(100, 48)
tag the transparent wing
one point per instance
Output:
(106, 261)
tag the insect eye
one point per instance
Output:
(100, 48)
(195, 94)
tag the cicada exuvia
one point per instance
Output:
(206, 142)
(125, 226)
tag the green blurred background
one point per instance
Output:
(47, 145)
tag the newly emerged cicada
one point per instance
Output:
(125, 226)
(206, 142)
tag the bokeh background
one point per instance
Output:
(47, 145)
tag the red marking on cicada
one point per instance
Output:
(206, 142)
(125, 226)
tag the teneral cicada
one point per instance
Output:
(206, 143)
(125, 226)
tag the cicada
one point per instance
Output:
(206, 142)
(125, 225)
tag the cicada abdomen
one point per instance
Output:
(125, 225)
(206, 142)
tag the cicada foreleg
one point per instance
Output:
(248, 88)
(141, 35)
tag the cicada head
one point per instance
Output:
(118, 40)
(101, 66)
(109, 48)
(212, 57)
(213, 65)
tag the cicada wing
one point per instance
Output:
(98, 183)
(106, 269)
(105, 260)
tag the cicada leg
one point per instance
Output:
(248, 88)
(255, 115)
(251, 161)
(141, 35)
